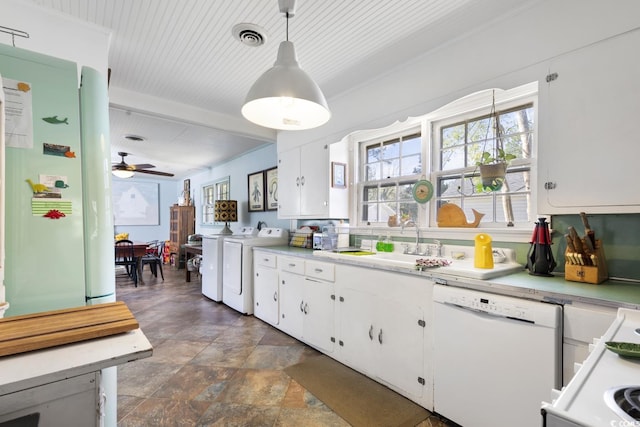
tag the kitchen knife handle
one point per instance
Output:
(585, 222)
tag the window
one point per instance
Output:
(389, 167)
(218, 190)
(444, 146)
(459, 143)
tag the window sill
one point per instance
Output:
(512, 235)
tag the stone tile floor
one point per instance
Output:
(211, 366)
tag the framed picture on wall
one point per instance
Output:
(271, 189)
(338, 175)
(256, 191)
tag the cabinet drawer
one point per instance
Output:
(264, 259)
(291, 264)
(319, 270)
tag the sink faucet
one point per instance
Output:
(439, 248)
(411, 223)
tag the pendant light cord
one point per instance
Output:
(287, 14)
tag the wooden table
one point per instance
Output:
(139, 250)
(189, 252)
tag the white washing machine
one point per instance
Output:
(237, 271)
(211, 268)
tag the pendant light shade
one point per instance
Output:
(285, 97)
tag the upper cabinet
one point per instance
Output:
(305, 183)
(589, 143)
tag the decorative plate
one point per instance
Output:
(422, 191)
(626, 349)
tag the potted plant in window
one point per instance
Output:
(493, 169)
(493, 163)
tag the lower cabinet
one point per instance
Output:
(383, 330)
(307, 301)
(265, 287)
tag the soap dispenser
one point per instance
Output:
(483, 255)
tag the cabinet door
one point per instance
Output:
(291, 303)
(588, 131)
(319, 318)
(266, 298)
(314, 180)
(401, 340)
(357, 329)
(289, 183)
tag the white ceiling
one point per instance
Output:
(183, 51)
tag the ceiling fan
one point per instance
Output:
(142, 168)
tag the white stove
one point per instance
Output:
(606, 389)
(237, 271)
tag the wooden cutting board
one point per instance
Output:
(19, 334)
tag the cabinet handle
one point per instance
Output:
(371, 333)
(275, 296)
(292, 265)
(380, 336)
(298, 182)
(302, 180)
(257, 275)
(301, 307)
(317, 270)
(265, 259)
(306, 308)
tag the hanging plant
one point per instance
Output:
(493, 168)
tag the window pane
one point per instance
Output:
(453, 158)
(373, 153)
(483, 204)
(480, 130)
(388, 192)
(411, 165)
(372, 172)
(410, 209)
(448, 187)
(405, 192)
(370, 194)
(390, 168)
(516, 205)
(370, 212)
(391, 149)
(412, 145)
(386, 210)
(453, 135)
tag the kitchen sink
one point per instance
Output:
(457, 267)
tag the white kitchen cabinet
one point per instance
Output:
(304, 182)
(265, 287)
(588, 138)
(307, 301)
(383, 331)
(582, 324)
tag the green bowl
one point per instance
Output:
(626, 349)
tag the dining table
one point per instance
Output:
(139, 250)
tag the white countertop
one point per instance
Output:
(30, 369)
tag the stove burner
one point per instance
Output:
(624, 401)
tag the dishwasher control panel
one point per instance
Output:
(498, 305)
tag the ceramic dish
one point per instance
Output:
(626, 349)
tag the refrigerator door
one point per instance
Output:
(44, 263)
(96, 186)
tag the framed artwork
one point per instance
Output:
(271, 189)
(256, 191)
(338, 175)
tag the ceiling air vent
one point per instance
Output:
(249, 34)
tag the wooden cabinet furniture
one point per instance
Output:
(181, 225)
(588, 145)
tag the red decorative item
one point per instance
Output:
(54, 214)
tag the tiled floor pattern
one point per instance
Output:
(211, 366)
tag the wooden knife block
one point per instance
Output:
(588, 273)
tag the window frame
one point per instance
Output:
(220, 190)
(474, 105)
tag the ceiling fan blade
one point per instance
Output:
(153, 172)
(142, 166)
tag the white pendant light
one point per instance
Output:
(285, 97)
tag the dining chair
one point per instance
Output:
(124, 255)
(153, 257)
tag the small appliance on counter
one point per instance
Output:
(194, 239)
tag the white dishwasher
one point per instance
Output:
(495, 357)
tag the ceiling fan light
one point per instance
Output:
(122, 173)
(285, 97)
